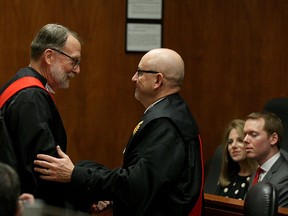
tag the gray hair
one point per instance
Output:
(50, 36)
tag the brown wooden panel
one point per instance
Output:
(222, 206)
(282, 211)
(236, 55)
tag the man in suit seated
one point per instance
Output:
(263, 132)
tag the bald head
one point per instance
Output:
(167, 62)
(160, 73)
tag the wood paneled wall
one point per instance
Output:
(235, 53)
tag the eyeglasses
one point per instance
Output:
(76, 62)
(140, 72)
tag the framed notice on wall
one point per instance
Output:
(142, 37)
(144, 9)
(144, 25)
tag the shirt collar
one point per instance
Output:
(153, 104)
(49, 88)
(268, 164)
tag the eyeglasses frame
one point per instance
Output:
(76, 62)
(145, 71)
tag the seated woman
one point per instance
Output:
(236, 167)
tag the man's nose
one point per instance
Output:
(245, 140)
(77, 69)
(134, 78)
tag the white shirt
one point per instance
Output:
(49, 88)
(267, 166)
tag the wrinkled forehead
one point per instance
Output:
(73, 45)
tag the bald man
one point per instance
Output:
(162, 164)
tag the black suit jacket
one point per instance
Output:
(161, 173)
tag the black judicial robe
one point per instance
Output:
(35, 126)
(161, 173)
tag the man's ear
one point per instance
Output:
(48, 56)
(274, 138)
(158, 80)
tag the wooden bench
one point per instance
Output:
(222, 206)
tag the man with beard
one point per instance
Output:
(31, 116)
(162, 171)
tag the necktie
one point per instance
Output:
(256, 178)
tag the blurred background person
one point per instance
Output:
(11, 202)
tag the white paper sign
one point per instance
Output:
(143, 36)
(144, 9)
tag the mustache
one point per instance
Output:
(71, 75)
